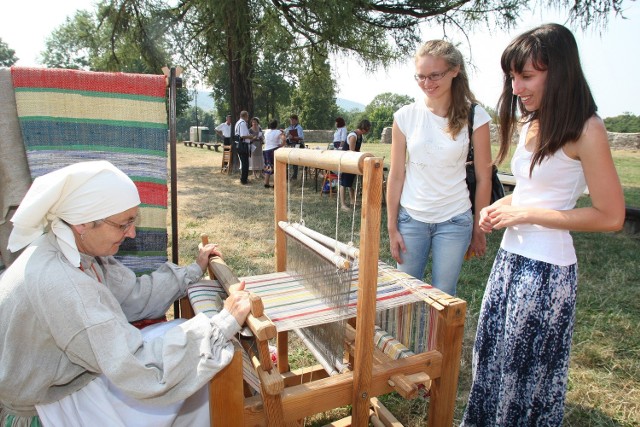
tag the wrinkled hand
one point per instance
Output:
(499, 216)
(238, 303)
(205, 252)
(397, 245)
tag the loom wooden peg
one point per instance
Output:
(257, 308)
(407, 385)
(420, 378)
(403, 386)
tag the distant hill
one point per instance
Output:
(206, 103)
(347, 105)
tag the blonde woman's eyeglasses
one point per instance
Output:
(434, 77)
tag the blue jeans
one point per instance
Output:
(448, 241)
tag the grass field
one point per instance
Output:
(604, 379)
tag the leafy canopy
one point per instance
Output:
(7, 55)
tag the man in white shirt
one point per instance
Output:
(244, 141)
(224, 130)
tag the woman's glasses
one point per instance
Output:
(123, 227)
(434, 77)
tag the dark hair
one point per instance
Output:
(340, 122)
(256, 119)
(364, 125)
(461, 95)
(567, 102)
(273, 124)
(293, 116)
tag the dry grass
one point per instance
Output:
(604, 382)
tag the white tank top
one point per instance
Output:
(554, 184)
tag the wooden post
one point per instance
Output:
(366, 306)
(226, 393)
(450, 330)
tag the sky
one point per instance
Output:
(610, 58)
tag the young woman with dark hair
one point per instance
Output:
(521, 352)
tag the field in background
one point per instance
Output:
(604, 382)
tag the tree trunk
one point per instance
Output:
(239, 57)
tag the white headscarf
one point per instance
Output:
(79, 193)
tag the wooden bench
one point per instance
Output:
(209, 145)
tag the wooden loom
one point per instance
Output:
(290, 396)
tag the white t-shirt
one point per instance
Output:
(272, 139)
(340, 134)
(242, 129)
(435, 188)
(556, 183)
(225, 129)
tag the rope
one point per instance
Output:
(302, 196)
(353, 214)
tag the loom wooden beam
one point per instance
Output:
(226, 393)
(383, 413)
(261, 326)
(322, 395)
(344, 161)
(450, 330)
(319, 249)
(367, 286)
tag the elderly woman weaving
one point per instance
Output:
(67, 349)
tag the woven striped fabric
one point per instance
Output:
(400, 306)
(206, 297)
(68, 116)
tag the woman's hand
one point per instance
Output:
(499, 216)
(238, 303)
(397, 245)
(478, 245)
(206, 251)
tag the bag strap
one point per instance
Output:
(470, 122)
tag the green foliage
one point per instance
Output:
(625, 123)
(316, 95)
(380, 112)
(7, 55)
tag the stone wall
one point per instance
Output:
(319, 136)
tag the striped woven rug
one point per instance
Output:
(401, 310)
(68, 116)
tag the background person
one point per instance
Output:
(274, 139)
(295, 139)
(245, 137)
(224, 130)
(68, 349)
(352, 143)
(428, 204)
(521, 352)
(256, 163)
(340, 135)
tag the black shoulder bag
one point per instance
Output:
(497, 191)
(242, 147)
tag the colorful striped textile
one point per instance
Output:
(206, 297)
(400, 306)
(68, 116)
(389, 345)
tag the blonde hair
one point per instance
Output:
(461, 95)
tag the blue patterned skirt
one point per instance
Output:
(521, 352)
